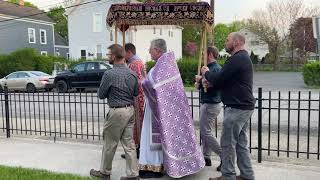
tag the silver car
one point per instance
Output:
(29, 81)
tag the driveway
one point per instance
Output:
(279, 81)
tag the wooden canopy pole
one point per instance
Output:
(201, 51)
(123, 38)
(116, 34)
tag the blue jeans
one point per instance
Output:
(234, 142)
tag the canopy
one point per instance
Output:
(160, 14)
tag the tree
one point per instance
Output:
(221, 32)
(272, 24)
(61, 22)
(301, 33)
(26, 3)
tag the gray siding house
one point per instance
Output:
(25, 27)
(61, 46)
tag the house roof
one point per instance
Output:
(16, 10)
(59, 40)
(77, 2)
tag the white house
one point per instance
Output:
(90, 36)
(254, 43)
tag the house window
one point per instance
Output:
(97, 22)
(83, 54)
(44, 53)
(111, 35)
(43, 36)
(32, 35)
(154, 30)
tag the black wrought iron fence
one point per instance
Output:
(283, 122)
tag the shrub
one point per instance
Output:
(27, 60)
(311, 74)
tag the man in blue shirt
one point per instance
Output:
(210, 108)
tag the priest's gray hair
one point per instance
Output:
(159, 44)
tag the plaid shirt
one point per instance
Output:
(119, 85)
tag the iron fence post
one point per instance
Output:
(259, 125)
(6, 107)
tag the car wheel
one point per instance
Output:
(31, 88)
(80, 89)
(62, 86)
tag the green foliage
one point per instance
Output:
(311, 74)
(61, 21)
(26, 60)
(15, 173)
(29, 4)
(188, 68)
(254, 58)
(221, 32)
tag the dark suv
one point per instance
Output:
(81, 76)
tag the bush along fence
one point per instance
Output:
(311, 74)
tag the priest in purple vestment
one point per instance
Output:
(168, 139)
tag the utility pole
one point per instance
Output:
(318, 36)
(316, 33)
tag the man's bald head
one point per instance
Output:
(235, 42)
(238, 37)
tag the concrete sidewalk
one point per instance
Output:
(79, 158)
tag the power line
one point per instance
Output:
(6, 26)
(45, 12)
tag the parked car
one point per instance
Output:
(81, 76)
(29, 81)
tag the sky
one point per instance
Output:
(226, 10)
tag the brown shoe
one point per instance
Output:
(99, 174)
(220, 178)
(130, 178)
(216, 178)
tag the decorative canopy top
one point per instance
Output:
(160, 14)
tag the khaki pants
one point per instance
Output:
(118, 127)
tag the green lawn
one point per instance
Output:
(190, 88)
(11, 173)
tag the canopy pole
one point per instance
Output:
(116, 34)
(123, 38)
(205, 46)
(201, 51)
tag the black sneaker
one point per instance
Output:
(149, 174)
(208, 161)
(219, 167)
(123, 156)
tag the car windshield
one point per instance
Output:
(38, 73)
